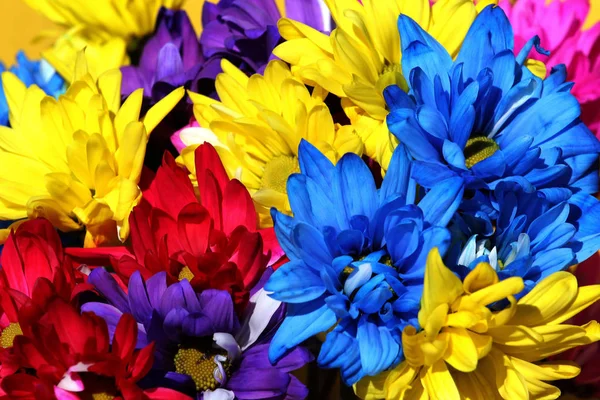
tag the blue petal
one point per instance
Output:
(397, 179)
(356, 186)
(314, 164)
(490, 34)
(284, 226)
(419, 49)
(442, 201)
(311, 246)
(294, 282)
(454, 155)
(378, 349)
(430, 174)
(396, 98)
(301, 322)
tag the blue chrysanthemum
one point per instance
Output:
(521, 233)
(485, 117)
(357, 258)
(31, 73)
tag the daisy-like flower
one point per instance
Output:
(109, 30)
(38, 73)
(77, 160)
(245, 31)
(212, 241)
(522, 233)
(257, 126)
(202, 349)
(357, 257)
(562, 28)
(587, 383)
(465, 351)
(361, 57)
(61, 354)
(486, 117)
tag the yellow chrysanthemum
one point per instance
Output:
(77, 160)
(466, 351)
(107, 28)
(361, 57)
(258, 125)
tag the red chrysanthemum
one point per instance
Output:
(31, 252)
(209, 237)
(61, 354)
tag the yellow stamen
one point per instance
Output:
(9, 333)
(186, 273)
(200, 367)
(478, 149)
(277, 171)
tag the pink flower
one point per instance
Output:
(559, 25)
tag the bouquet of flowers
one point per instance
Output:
(339, 199)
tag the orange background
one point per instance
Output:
(19, 25)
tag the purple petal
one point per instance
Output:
(218, 306)
(307, 12)
(133, 79)
(109, 288)
(256, 383)
(258, 356)
(110, 314)
(173, 298)
(197, 325)
(173, 324)
(138, 299)
(296, 390)
(169, 62)
(213, 38)
(156, 287)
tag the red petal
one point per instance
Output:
(142, 240)
(163, 225)
(165, 394)
(171, 188)
(207, 158)
(125, 337)
(194, 226)
(249, 258)
(142, 362)
(12, 264)
(212, 197)
(97, 256)
(239, 208)
(271, 245)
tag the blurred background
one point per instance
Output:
(19, 26)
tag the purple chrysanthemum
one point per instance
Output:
(245, 31)
(201, 347)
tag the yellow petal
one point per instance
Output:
(441, 286)
(499, 291)
(543, 303)
(511, 385)
(400, 380)
(482, 276)
(461, 352)
(40, 207)
(372, 387)
(586, 296)
(130, 156)
(162, 108)
(439, 383)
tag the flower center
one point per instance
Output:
(208, 370)
(9, 333)
(102, 396)
(185, 273)
(479, 148)
(277, 171)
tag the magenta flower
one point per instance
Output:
(560, 26)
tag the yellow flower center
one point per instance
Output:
(185, 273)
(102, 396)
(208, 371)
(478, 149)
(9, 333)
(277, 171)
